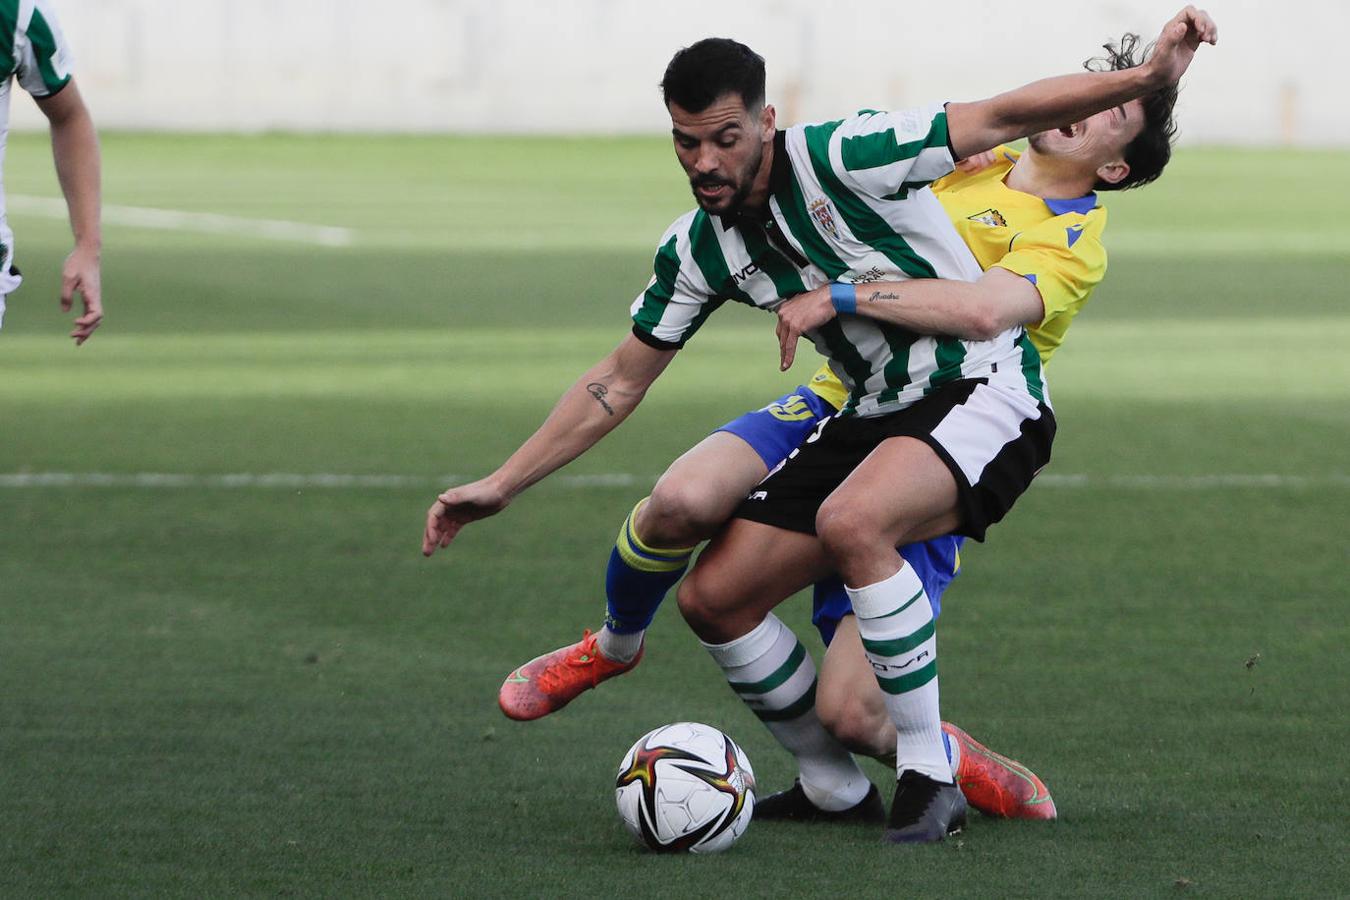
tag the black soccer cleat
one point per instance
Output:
(792, 805)
(924, 811)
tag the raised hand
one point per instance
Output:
(1176, 45)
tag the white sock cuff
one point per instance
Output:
(748, 647)
(884, 597)
(617, 647)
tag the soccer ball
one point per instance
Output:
(685, 787)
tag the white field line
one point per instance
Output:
(296, 480)
(201, 222)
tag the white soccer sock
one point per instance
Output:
(770, 670)
(616, 647)
(895, 622)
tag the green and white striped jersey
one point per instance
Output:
(32, 47)
(33, 51)
(848, 202)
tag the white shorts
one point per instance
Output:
(10, 279)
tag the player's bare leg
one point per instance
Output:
(852, 708)
(902, 492)
(849, 700)
(700, 491)
(747, 570)
(694, 496)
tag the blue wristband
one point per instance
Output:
(844, 297)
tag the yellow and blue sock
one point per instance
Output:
(638, 579)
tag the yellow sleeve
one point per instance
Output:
(949, 180)
(1065, 258)
(826, 385)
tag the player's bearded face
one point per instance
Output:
(721, 149)
(725, 193)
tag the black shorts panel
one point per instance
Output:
(790, 496)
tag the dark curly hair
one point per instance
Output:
(702, 72)
(1148, 154)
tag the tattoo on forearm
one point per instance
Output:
(599, 392)
(878, 295)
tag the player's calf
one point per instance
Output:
(850, 703)
(747, 570)
(714, 608)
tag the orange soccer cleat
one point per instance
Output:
(547, 683)
(996, 785)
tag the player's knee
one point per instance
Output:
(846, 533)
(679, 514)
(696, 601)
(706, 601)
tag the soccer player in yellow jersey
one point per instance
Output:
(1035, 227)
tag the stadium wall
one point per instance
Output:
(591, 66)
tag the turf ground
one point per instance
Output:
(254, 686)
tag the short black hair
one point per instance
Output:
(702, 72)
(1148, 154)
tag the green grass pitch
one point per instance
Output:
(216, 688)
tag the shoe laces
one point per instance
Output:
(579, 655)
(584, 651)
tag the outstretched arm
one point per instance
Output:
(1054, 102)
(974, 310)
(589, 410)
(75, 150)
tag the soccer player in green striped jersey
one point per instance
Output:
(34, 53)
(840, 202)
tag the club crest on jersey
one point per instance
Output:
(990, 217)
(824, 216)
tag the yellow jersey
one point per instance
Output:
(1054, 244)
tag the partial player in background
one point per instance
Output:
(40, 61)
(1035, 226)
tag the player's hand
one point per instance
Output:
(80, 275)
(1176, 45)
(799, 315)
(458, 507)
(977, 162)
